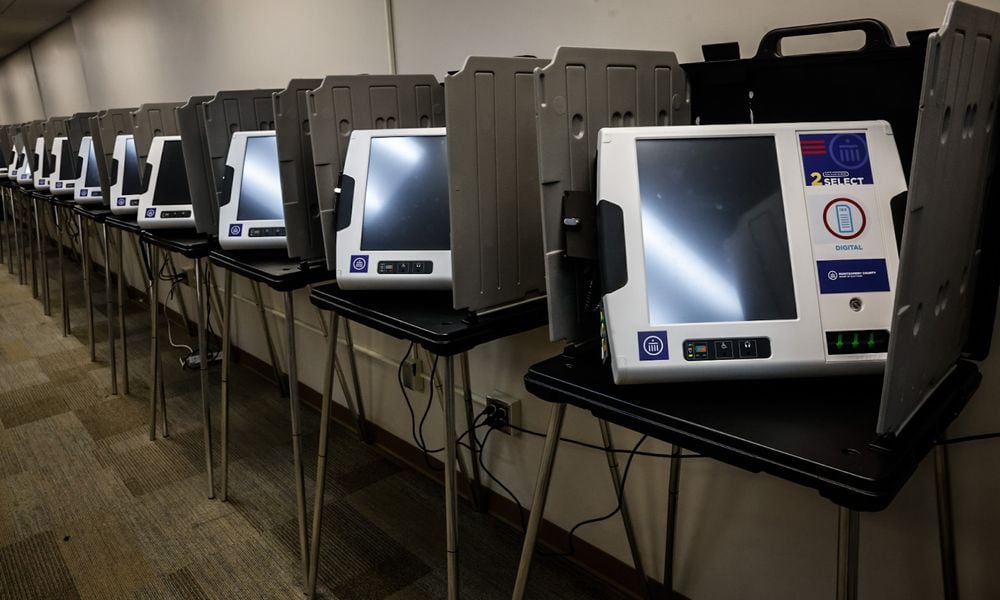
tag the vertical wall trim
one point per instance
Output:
(38, 84)
(390, 31)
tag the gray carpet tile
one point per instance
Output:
(91, 508)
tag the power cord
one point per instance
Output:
(969, 438)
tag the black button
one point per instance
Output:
(133, 203)
(724, 349)
(280, 231)
(404, 267)
(418, 266)
(748, 348)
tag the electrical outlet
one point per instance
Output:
(413, 375)
(194, 361)
(506, 412)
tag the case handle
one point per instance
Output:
(877, 35)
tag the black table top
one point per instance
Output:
(95, 213)
(271, 267)
(818, 432)
(186, 242)
(428, 318)
(125, 222)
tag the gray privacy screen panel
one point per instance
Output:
(32, 130)
(106, 126)
(496, 227)
(191, 125)
(343, 103)
(54, 127)
(295, 165)
(77, 127)
(149, 121)
(953, 157)
(578, 93)
(227, 113)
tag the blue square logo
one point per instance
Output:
(59, 185)
(653, 345)
(83, 193)
(121, 202)
(236, 230)
(359, 263)
(150, 213)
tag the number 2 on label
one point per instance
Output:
(817, 178)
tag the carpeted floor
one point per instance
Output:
(90, 508)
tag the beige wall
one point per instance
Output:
(741, 535)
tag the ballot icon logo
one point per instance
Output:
(121, 202)
(844, 218)
(236, 230)
(653, 345)
(150, 213)
(359, 263)
(83, 193)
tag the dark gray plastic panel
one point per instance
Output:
(53, 127)
(223, 115)
(344, 103)
(106, 126)
(496, 227)
(578, 93)
(6, 137)
(77, 127)
(149, 121)
(954, 151)
(191, 125)
(304, 234)
(31, 131)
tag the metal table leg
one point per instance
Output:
(358, 409)
(479, 498)
(296, 417)
(946, 526)
(42, 259)
(324, 443)
(206, 412)
(87, 284)
(110, 308)
(3, 233)
(154, 348)
(121, 308)
(616, 481)
(59, 223)
(227, 316)
(32, 252)
(17, 241)
(541, 495)
(275, 365)
(847, 554)
(450, 481)
(8, 220)
(673, 491)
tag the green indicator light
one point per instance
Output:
(840, 341)
(856, 342)
(871, 340)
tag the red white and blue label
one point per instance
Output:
(653, 345)
(835, 159)
(359, 263)
(852, 276)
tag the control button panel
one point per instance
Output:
(405, 267)
(175, 214)
(267, 232)
(867, 341)
(727, 349)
